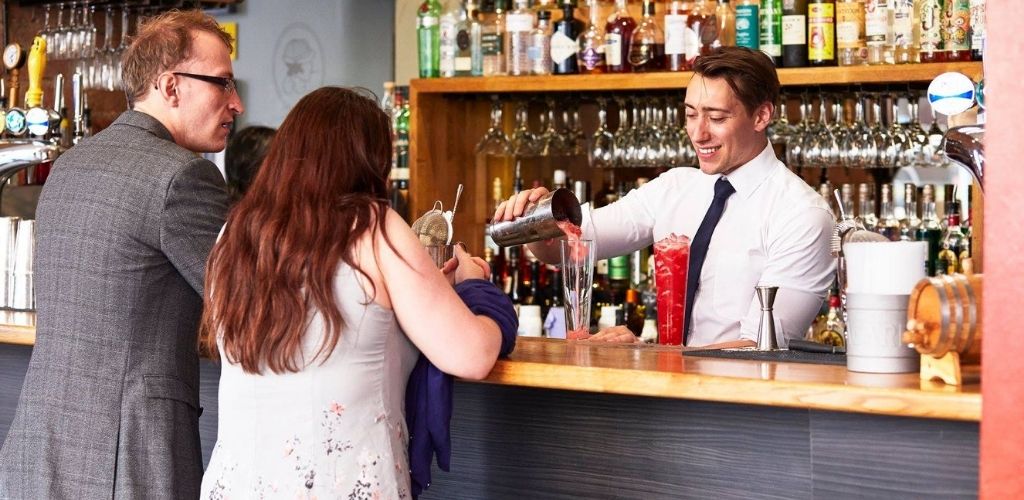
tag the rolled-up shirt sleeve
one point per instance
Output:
(800, 264)
(626, 225)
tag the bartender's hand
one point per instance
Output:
(468, 267)
(616, 334)
(516, 205)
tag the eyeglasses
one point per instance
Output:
(226, 84)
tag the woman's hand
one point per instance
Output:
(468, 267)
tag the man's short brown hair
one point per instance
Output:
(750, 73)
(162, 43)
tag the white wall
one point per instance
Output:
(287, 48)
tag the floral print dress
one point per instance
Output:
(334, 429)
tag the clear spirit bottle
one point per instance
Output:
(428, 37)
(930, 230)
(539, 52)
(888, 224)
(591, 54)
(850, 41)
(518, 27)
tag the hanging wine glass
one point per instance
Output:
(602, 147)
(494, 141)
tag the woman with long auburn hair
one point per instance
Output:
(320, 299)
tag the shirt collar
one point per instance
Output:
(749, 176)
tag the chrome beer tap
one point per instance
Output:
(17, 153)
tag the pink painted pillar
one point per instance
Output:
(1002, 423)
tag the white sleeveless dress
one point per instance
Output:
(332, 430)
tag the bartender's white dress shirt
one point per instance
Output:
(775, 231)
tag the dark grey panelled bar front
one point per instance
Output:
(522, 443)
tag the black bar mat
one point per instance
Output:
(817, 358)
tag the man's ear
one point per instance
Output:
(167, 87)
(763, 116)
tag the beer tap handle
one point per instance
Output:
(78, 104)
(36, 68)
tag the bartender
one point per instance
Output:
(749, 219)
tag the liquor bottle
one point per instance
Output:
(866, 208)
(888, 224)
(911, 221)
(930, 229)
(701, 31)
(449, 31)
(518, 27)
(834, 331)
(771, 29)
(876, 30)
(748, 24)
(565, 43)
(853, 49)
(956, 30)
(726, 23)
(428, 36)
(492, 42)
(554, 320)
(846, 198)
(476, 49)
(647, 45)
(512, 278)
(591, 54)
(617, 35)
(633, 311)
(463, 45)
(600, 292)
(675, 35)
(932, 46)
(533, 288)
(539, 51)
(955, 247)
(618, 278)
(978, 33)
(821, 32)
(794, 33)
(905, 31)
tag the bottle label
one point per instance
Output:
(691, 42)
(640, 53)
(675, 34)
(957, 24)
(747, 24)
(903, 23)
(563, 47)
(876, 22)
(428, 21)
(794, 30)
(613, 49)
(931, 25)
(977, 25)
(850, 25)
(518, 22)
(492, 44)
(771, 31)
(821, 43)
(592, 58)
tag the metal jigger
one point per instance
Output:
(766, 340)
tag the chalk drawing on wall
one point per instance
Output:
(298, 63)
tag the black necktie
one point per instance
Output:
(699, 248)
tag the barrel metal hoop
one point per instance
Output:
(972, 314)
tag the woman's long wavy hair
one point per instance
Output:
(323, 185)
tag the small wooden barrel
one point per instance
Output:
(944, 315)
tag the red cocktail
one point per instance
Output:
(671, 261)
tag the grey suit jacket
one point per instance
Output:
(110, 404)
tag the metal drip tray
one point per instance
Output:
(782, 356)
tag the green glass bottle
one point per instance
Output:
(428, 35)
(771, 29)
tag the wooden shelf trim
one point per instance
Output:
(841, 75)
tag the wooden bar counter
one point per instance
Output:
(573, 420)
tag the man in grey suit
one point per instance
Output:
(127, 218)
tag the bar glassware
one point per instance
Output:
(671, 262)
(577, 283)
